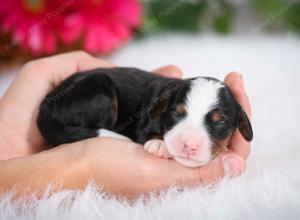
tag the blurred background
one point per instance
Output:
(35, 28)
(259, 38)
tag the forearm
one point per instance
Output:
(119, 167)
(113, 166)
(33, 174)
(12, 143)
(7, 147)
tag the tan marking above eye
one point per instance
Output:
(216, 116)
(181, 108)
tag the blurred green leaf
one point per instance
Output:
(191, 15)
(292, 17)
(181, 15)
(267, 6)
(222, 22)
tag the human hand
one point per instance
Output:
(19, 106)
(20, 136)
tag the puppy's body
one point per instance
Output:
(116, 99)
(143, 107)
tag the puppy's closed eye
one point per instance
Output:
(216, 116)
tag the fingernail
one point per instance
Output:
(232, 165)
(240, 76)
(241, 79)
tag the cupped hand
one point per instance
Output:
(19, 105)
(120, 166)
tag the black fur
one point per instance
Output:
(233, 116)
(128, 101)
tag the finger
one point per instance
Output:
(225, 164)
(237, 143)
(171, 71)
(235, 82)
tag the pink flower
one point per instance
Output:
(30, 24)
(102, 24)
(36, 24)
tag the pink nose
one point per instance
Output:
(189, 149)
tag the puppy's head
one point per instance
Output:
(198, 117)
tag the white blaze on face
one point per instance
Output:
(189, 141)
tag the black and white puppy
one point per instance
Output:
(187, 119)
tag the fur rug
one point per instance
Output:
(269, 189)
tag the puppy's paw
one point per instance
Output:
(158, 148)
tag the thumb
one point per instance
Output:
(225, 164)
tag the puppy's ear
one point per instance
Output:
(244, 125)
(159, 107)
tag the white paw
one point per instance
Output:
(158, 148)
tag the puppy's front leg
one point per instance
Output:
(158, 148)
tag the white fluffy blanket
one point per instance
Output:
(270, 188)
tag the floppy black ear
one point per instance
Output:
(244, 126)
(160, 104)
(159, 107)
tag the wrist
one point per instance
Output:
(8, 146)
(60, 168)
(72, 166)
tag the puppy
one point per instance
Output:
(189, 120)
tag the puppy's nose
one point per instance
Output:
(189, 149)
